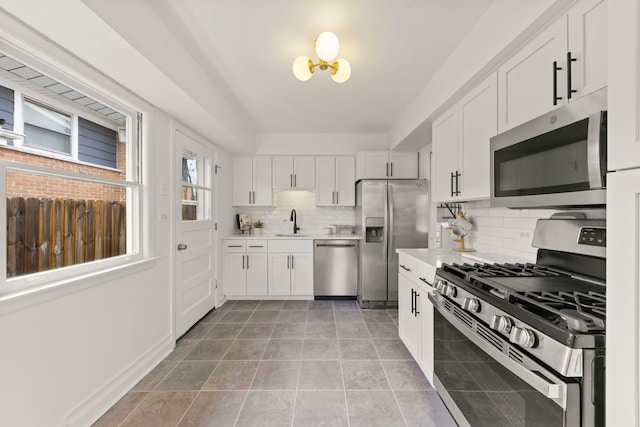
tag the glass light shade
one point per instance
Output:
(344, 71)
(327, 46)
(301, 68)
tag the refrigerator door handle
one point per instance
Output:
(390, 228)
(385, 230)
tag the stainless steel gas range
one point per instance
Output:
(524, 344)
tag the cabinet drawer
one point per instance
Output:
(236, 245)
(291, 245)
(408, 266)
(426, 272)
(254, 246)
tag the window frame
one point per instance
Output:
(73, 129)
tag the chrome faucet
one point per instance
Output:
(293, 218)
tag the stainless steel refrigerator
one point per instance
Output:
(390, 214)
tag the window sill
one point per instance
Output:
(21, 299)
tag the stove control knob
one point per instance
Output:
(471, 304)
(525, 338)
(440, 285)
(501, 323)
(450, 291)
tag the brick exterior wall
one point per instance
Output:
(28, 185)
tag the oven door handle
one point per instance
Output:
(535, 375)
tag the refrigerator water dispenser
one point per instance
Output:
(374, 230)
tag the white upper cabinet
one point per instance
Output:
(624, 87)
(293, 173)
(335, 181)
(461, 145)
(564, 62)
(387, 165)
(252, 181)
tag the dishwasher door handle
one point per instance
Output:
(322, 245)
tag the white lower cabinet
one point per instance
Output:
(415, 314)
(245, 267)
(290, 267)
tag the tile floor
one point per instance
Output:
(285, 363)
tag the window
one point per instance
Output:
(46, 129)
(70, 188)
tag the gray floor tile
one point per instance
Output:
(383, 329)
(209, 350)
(214, 408)
(356, 348)
(321, 305)
(283, 349)
(224, 330)
(213, 316)
(198, 331)
(320, 330)
(291, 316)
(339, 305)
(160, 409)
(352, 330)
(264, 316)
(392, 349)
(120, 411)
(232, 375)
(236, 316)
(153, 378)
(320, 375)
(181, 350)
(188, 375)
(320, 316)
(364, 375)
(257, 330)
(376, 316)
(349, 316)
(245, 305)
(276, 375)
(295, 305)
(320, 349)
(267, 408)
(288, 330)
(246, 349)
(270, 305)
(373, 409)
(405, 375)
(320, 408)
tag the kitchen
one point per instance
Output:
(494, 230)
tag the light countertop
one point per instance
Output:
(301, 236)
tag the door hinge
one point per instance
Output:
(215, 226)
(215, 169)
(216, 282)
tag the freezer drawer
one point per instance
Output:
(335, 267)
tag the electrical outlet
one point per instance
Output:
(524, 234)
(164, 217)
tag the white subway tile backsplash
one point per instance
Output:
(310, 218)
(521, 223)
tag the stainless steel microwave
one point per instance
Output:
(558, 160)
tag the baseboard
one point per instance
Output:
(92, 408)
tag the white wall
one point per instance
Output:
(319, 143)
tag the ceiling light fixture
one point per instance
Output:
(327, 46)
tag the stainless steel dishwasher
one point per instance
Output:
(335, 267)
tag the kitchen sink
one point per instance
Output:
(292, 235)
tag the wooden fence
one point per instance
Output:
(44, 234)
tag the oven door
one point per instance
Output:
(485, 381)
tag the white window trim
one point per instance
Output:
(43, 279)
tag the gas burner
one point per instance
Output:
(466, 270)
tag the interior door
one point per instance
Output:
(194, 292)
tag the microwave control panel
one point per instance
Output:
(593, 236)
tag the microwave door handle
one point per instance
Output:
(594, 165)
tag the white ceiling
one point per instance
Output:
(394, 47)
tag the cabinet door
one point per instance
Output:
(301, 274)
(478, 123)
(325, 181)
(526, 79)
(283, 172)
(373, 164)
(426, 335)
(304, 175)
(407, 320)
(262, 181)
(345, 181)
(242, 181)
(234, 274)
(403, 165)
(624, 86)
(257, 278)
(445, 154)
(279, 274)
(588, 45)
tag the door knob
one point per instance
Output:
(182, 247)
